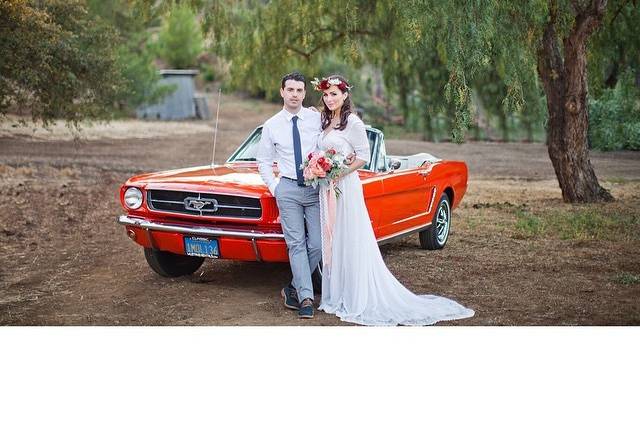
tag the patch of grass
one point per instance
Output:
(627, 278)
(471, 222)
(588, 223)
(617, 180)
(505, 205)
(528, 225)
(592, 224)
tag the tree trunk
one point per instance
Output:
(427, 129)
(528, 125)
(565, 86)
(504, 126)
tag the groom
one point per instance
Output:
(287, 138)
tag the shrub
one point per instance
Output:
(141, 76)
(208, 73)
(614, 118)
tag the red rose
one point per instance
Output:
(324, 164)
(309, 156)
(331, 151)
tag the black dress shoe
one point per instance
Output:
(306, 309)
(290, 298)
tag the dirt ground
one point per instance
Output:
(65, 261)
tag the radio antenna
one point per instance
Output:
(215, 131)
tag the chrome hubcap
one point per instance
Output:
(442, 222)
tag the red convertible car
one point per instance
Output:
(183, 216)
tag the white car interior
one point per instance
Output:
(410, 161)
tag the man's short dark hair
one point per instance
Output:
(294, 76)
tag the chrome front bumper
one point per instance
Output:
(208, 231)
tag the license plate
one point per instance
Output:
(201, 247)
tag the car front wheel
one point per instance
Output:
(436, 236)
(169, 264)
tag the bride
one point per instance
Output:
(356, 284)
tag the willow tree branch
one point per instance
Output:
(617, 12)
(337, 36)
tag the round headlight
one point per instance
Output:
(133, 198)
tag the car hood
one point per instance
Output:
(232, 178)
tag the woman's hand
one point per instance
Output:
(349, 159)
(355, 165)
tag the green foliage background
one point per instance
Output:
(439, 68)
(134, 57)
(180, 41)
(57, 61)
(458, 63)
(615, 117)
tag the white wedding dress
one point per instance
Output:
(356, 284)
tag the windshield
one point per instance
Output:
(249, 149)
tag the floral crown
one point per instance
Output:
(325, 83)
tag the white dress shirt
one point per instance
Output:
(276, 143)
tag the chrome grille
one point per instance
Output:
(203, 204)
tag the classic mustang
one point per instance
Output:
(182, 216)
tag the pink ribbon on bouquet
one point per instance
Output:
(330, 208)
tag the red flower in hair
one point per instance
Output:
(325, 83)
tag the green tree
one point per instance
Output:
(134, 57)
(180, 41)
(265, 40)
(533, 39)
(57, 61)
(562, 67)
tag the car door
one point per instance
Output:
(405, 200)
(374, 197)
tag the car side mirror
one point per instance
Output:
(394, 164)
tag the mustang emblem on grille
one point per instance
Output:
(201, 204)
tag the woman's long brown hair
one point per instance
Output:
(327, 114)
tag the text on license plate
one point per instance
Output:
(200, 246)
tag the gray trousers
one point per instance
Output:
(299, 206)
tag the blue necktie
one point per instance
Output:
(297, 150)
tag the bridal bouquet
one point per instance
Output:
(323, 167)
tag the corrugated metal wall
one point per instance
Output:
(178, 105)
